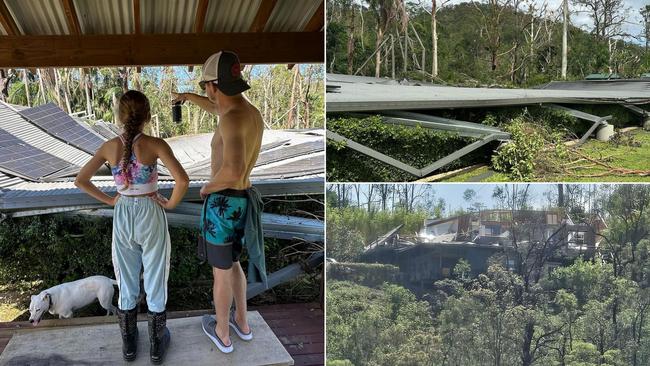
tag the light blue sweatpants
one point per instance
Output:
(140, 237)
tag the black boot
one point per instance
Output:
(129, 328)
(158, 336)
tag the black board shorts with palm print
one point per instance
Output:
(224, 227)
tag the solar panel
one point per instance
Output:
(289, 152)
(102, 129)
(307, 166)
(56, 122)
(23, 160)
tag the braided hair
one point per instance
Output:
(134, 112)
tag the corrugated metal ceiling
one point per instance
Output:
(47, 17)
(291, 15)
(105, 17)
(231, 16)
(168, 16)
(38, 17)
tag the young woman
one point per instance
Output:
(140, 235)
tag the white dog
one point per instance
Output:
(63, 299)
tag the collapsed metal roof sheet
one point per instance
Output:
(355, 96)
(636, 85)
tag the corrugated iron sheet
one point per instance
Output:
(15, 124)
(231, 16)
(105, 17)
(38, 17)
(291, 15)
(8, 181)
(168, 16)
(47, 17)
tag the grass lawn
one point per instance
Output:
(621, 156)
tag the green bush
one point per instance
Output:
(417, 147)
(366, 274)
(517, 157)
(56, 249)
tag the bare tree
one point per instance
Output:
(491, 27)
(384, 191)
(608, 17)
(565, 15)
(645, 13)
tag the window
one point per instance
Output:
(551, 219)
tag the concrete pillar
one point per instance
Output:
(605, 132)
(646, 123)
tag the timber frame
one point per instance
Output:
(22, 47)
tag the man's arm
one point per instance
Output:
(203, 102)
(233, 167)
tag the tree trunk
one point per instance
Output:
(4, 85)
(434, 40)
(526, 356)
(86, 81)
(26, 84)
(380, 39)
(66, 90)
(292, 100)
(565, 11)
(351, 42)
(57, 87)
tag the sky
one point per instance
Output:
(581, 19)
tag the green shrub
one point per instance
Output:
(56, 249)
(366, 274)
(414, 146)
(517, 157)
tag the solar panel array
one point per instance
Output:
(56, 122)
(23, 160)
(104, 130)
(289, 152)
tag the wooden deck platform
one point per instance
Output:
(299, 327)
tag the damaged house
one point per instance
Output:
(482, 237)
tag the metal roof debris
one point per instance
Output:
(356, 96)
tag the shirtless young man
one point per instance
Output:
(229, 195)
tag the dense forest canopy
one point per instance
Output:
(507, 42)
(589, 312)
(287, 98)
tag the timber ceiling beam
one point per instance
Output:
(158, 49)
(263, 15)
(137, 27)
(7, 20)
(71, 17)
(201, 11)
